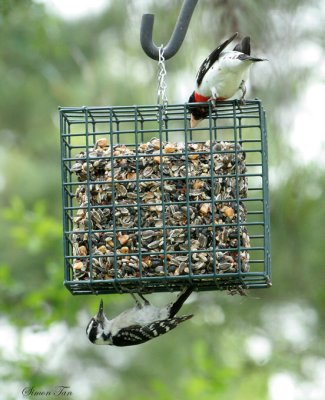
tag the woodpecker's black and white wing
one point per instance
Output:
(137, 334)
(211, 59)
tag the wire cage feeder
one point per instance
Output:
(152, 205)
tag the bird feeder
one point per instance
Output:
(152, 205)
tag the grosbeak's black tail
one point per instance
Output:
(244, 46)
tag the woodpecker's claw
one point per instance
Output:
(137, 302)
(146, 302)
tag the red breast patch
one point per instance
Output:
(199, 98)
(203, 99)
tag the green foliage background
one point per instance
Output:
(45, 62)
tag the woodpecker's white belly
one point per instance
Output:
(224, 77)
(140, 316)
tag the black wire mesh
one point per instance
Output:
(152, 205)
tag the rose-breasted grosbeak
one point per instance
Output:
(220, 76)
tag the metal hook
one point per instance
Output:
(177, 37)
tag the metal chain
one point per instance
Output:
(162, 85)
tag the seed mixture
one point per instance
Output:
(162, 208)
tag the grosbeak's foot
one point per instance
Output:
(240, 103)
(213, 103)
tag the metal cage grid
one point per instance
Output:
(92, 137)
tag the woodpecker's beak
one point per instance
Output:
(194, 121)
(100, 314)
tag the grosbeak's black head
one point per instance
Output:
(197, 112)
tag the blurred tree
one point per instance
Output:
(47, 62)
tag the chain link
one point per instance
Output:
(162, 85)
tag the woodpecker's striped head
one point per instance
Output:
(98, 326)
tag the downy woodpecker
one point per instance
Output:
(137, 325)
(220, 76)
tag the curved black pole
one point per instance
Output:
(177, 37)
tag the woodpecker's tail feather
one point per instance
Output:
(184, 317)
(177, 305)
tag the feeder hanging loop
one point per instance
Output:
(162, 85)
(177, 37)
